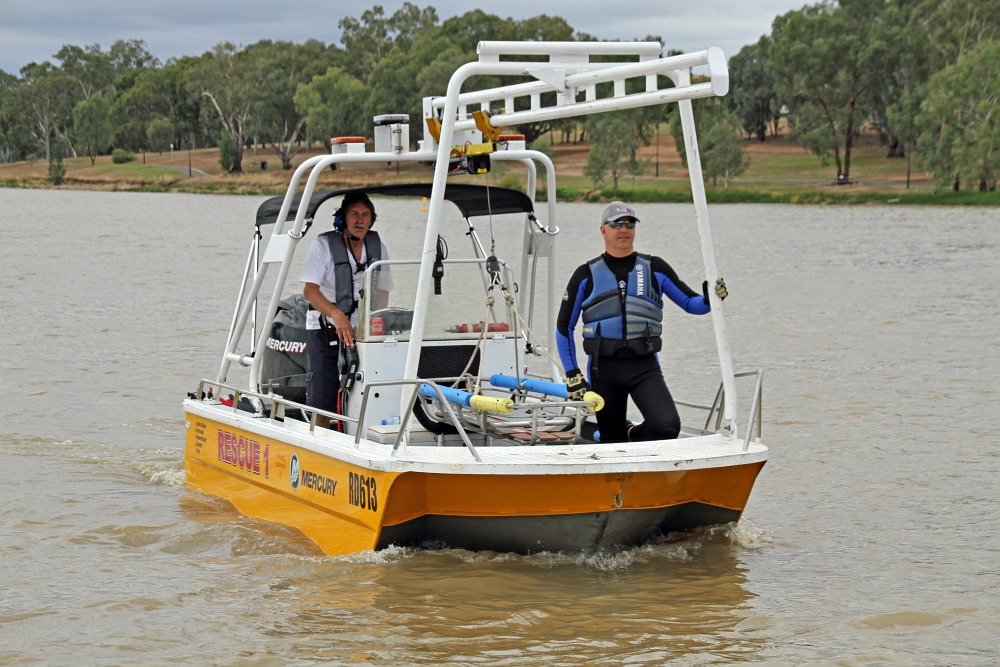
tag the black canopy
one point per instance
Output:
(471, 200)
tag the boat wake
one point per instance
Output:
(172, 477)
(683, 547)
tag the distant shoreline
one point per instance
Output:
(738, 193)
(779, 173)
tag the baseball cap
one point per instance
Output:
(617, 210)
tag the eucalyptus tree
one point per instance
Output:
(961, 136)
(150, 93)
(185, 108)
(445, 58)
(280, 68)
(9, 145)
(753, 95)
(45, 98)
(544, 28)
(936, 34)
(128, 55)
(370, 38)
(825, 58)
(614, 154)
(333, 104)
(902, 67)
(404, 78)
(89, 68)
(719, 146)
(231, 90)
(150, 97)
(950, 28)
(160, 133)
(467, 30)
(92, 126)
(722, 155)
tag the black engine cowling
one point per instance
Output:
(284, 364)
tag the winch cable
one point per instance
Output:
(508, 297)
(534, 274)
(474, 381)
(493, 270)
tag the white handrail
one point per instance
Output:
(553, 77)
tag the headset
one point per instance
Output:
(352, 198)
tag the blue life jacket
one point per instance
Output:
(342, 270)
(619, 317)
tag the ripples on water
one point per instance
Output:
(871, 537)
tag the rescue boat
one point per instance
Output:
(444, 437)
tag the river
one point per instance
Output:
(872, 536)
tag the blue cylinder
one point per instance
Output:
(453, 395)
(556, 389)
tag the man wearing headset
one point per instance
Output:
(332, 277)
(619, 296)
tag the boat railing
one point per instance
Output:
(257, 403)
(532, 421)
(715, 410)
(408, 413)
(275, 408)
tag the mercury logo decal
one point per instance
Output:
(293, 471)
(317, 482)
(286, 346)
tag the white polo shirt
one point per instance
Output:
(319, 269)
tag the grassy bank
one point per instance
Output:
(779, 173)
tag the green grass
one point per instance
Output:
(135, 170)
(679, 190)
(924, 197)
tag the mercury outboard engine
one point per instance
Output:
(283, 364)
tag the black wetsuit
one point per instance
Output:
(620, 371)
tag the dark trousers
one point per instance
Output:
(641, 378)
(323, 378)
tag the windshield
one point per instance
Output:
(456, 308)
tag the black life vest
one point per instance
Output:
(343, 271)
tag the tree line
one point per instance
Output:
(921, 73)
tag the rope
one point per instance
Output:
(493, 266)
(489, 206)
(479, 346)
(512, 302)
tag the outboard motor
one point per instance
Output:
(283, 364)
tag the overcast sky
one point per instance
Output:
(34, 30)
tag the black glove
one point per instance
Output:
(720, 289)
(576, 385)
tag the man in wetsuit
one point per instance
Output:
(331, 277)
(619, 296)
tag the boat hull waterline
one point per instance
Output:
(348, 499)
